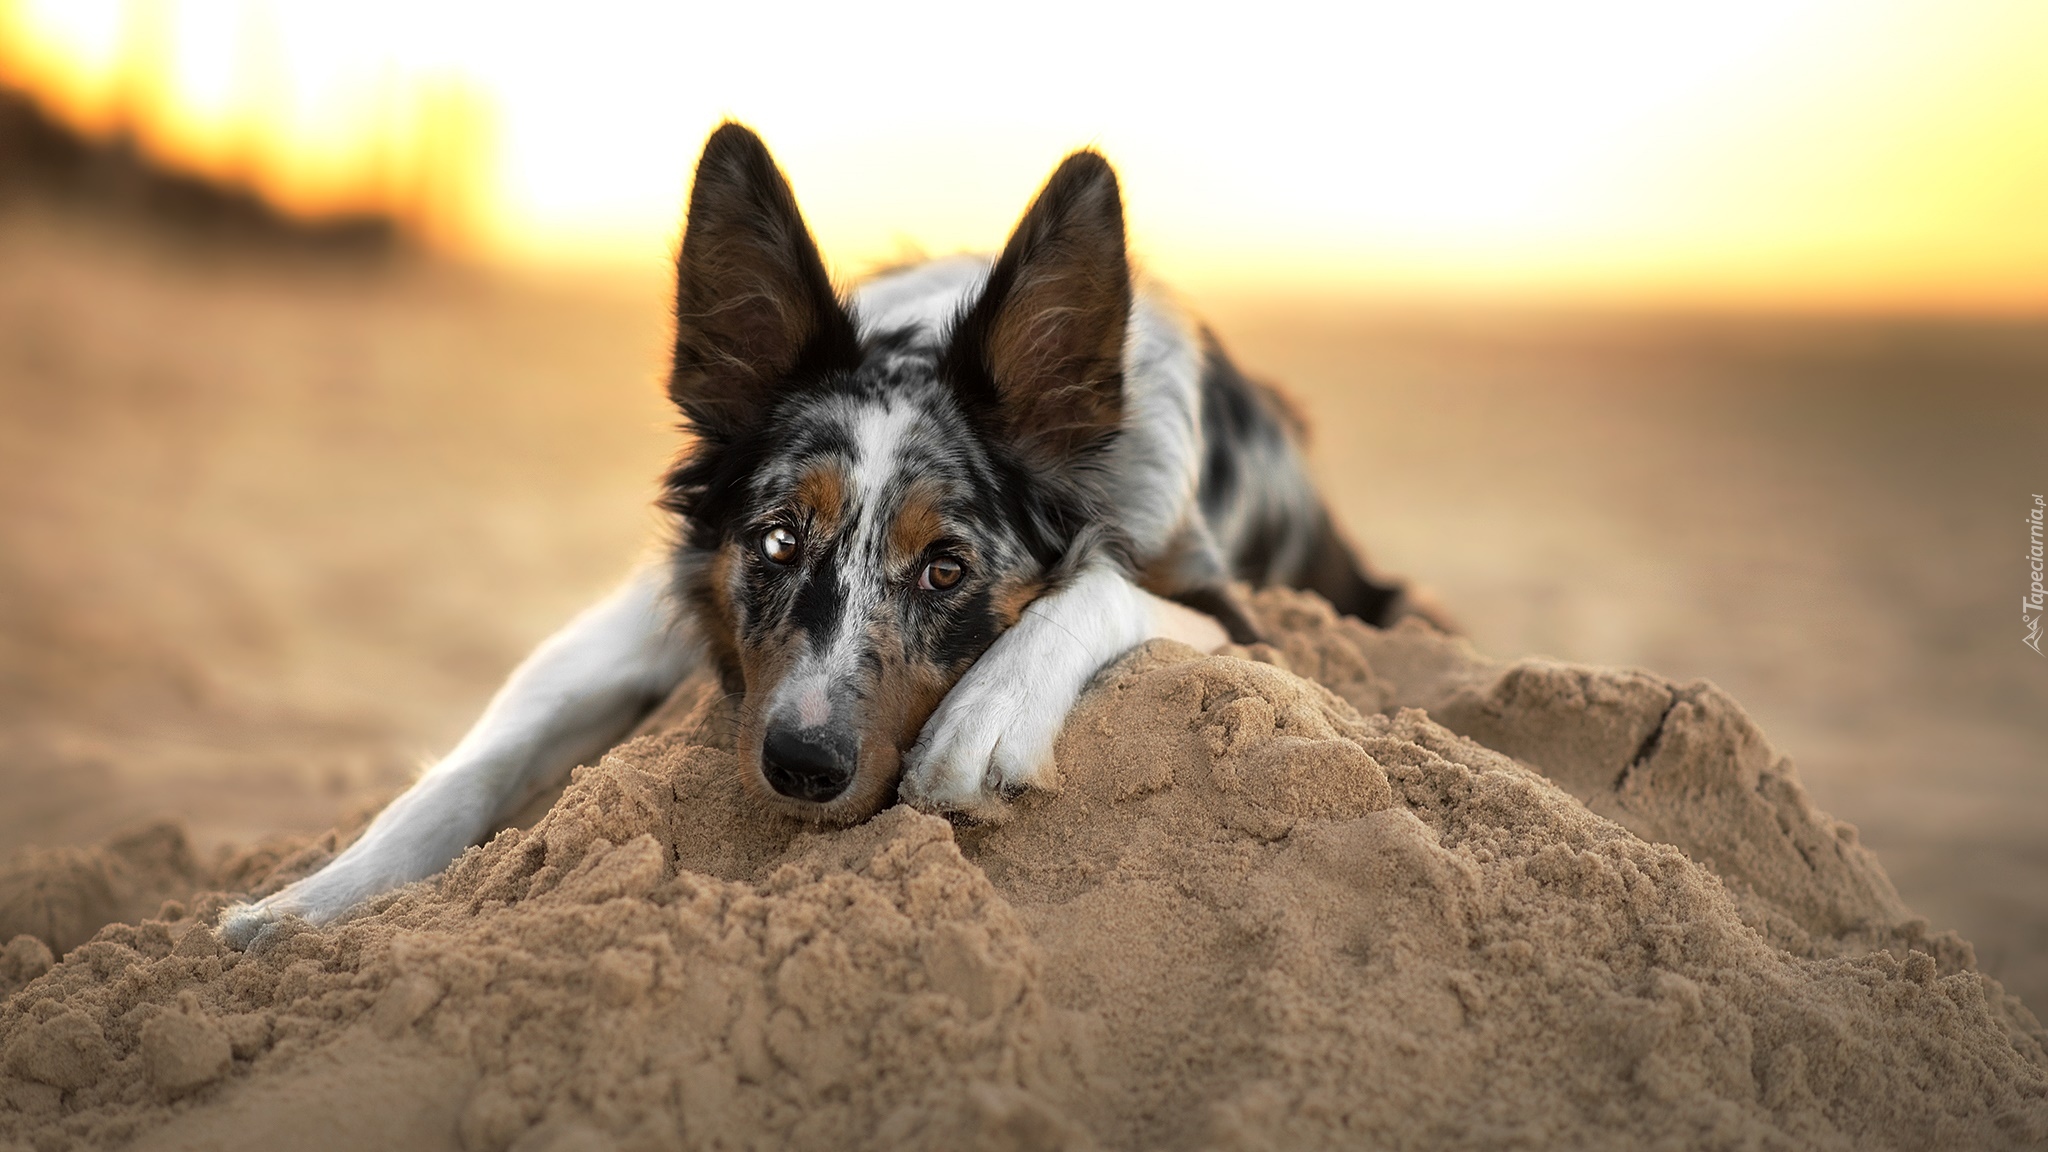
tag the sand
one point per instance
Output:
(1354, 889)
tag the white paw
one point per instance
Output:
(370, 867)
(417, 836)
(244, 926)
(324, 897)
(319, 899)
(992, 735)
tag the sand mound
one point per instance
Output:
(1260, 913)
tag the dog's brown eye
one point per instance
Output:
(779, 544)
(940, 574)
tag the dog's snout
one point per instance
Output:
(807, 763)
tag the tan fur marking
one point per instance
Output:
(917, 524)
(723, 640)
(1011, 597)
(822, 493)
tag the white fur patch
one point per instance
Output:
(1158, 458)
(878, 430)
(813, 705)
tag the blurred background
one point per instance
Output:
(1707, 338)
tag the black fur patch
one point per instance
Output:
(970, 628)
(1218, 603)
(1266, 516)
(1334, 572)
(820, 598)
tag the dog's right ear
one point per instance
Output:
(754, 306)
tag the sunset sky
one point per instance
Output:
(1822, 154)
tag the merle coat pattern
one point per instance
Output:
(911, 523)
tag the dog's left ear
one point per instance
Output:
(754, 306)
(1042, 350)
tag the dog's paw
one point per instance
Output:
(319, 899)
(243, 926)
(991, 736)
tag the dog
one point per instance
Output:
(911, 523)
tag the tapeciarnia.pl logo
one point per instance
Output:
(2031, 604)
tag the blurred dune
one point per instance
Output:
(49, 162)
(272, 526)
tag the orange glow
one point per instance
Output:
(307, 106)
(1751, 153)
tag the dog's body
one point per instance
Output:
(911, 525)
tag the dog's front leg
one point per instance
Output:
(994, 732)
(575, 696)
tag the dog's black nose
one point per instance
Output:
(807, 764)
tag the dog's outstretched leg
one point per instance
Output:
(575, 696)
(994, 732)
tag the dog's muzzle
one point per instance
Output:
(814, 764)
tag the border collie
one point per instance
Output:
(912, 522)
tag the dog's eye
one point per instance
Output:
(940, 574)
(779, 544)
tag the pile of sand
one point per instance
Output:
(1264, 911)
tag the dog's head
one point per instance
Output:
(863, 512)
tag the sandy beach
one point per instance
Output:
(271, 530)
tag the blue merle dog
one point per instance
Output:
(912, 521)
